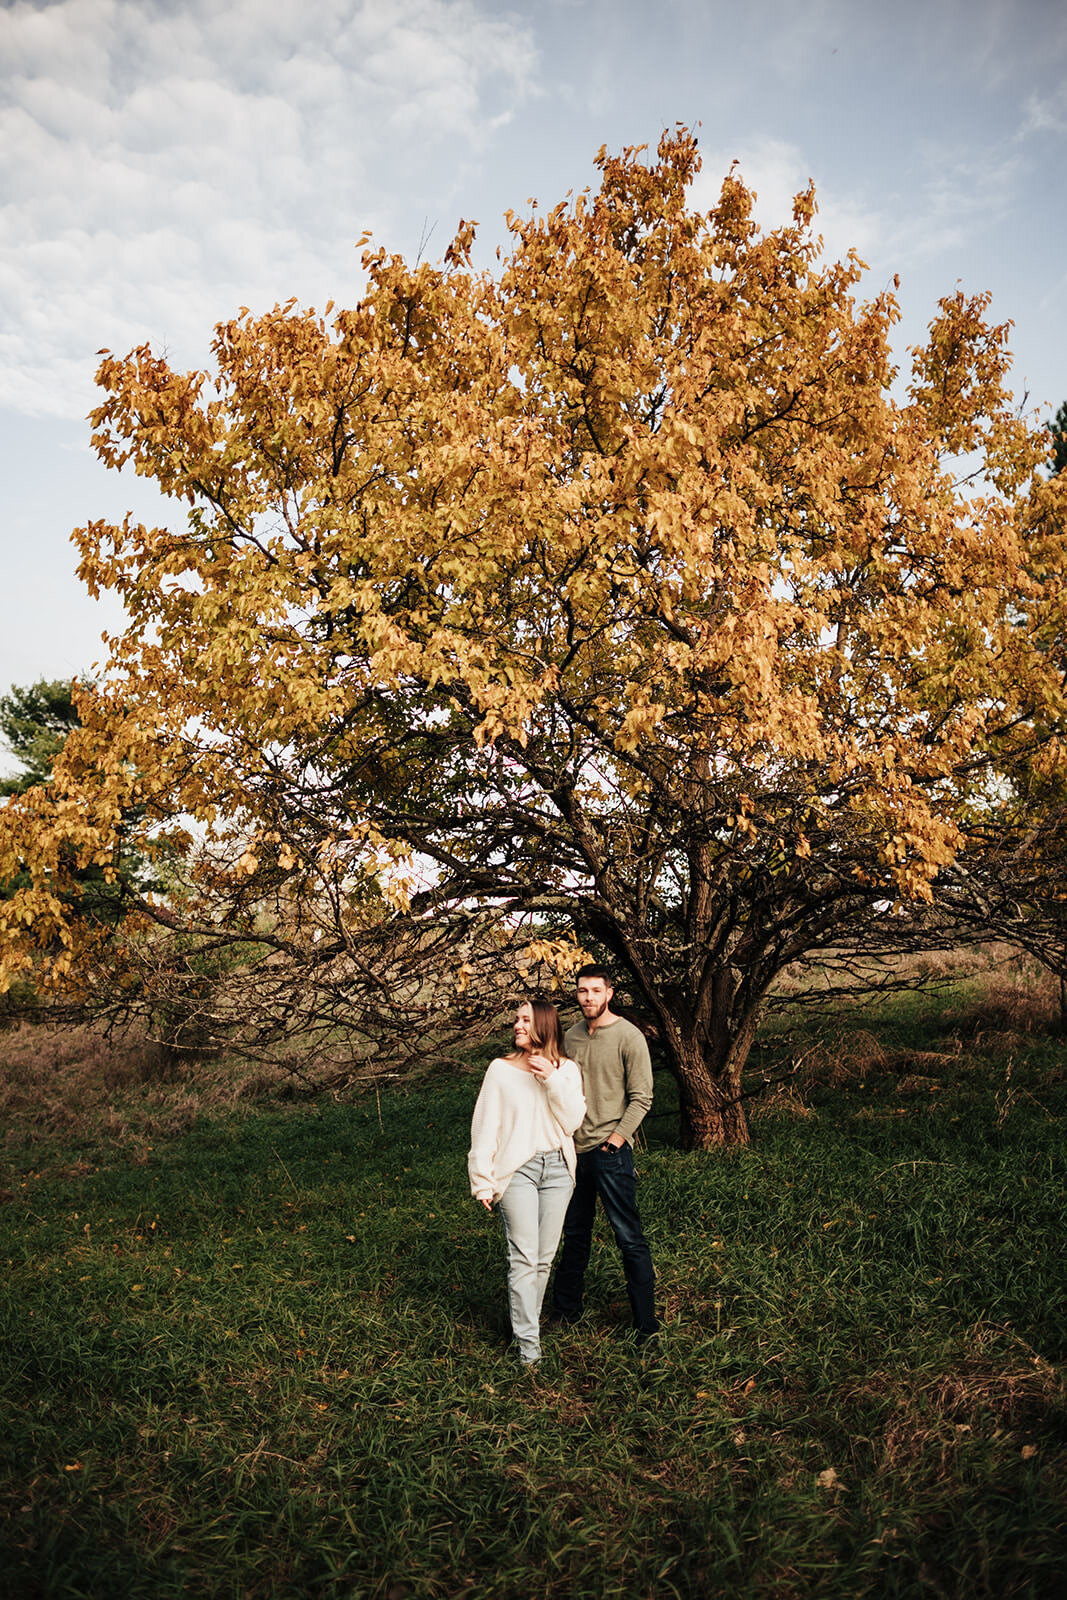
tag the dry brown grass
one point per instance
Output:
(915, 1083)
(848, 1056)
(123, 1090)
(1018, 1003)
(1009, 984)
(76, 1082)
(783, 1103)
(1000, 1386)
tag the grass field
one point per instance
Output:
(260, 1350)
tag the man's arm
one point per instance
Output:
(637, 1088)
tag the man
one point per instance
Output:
(617, 1079)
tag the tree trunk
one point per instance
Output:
(708, 1073)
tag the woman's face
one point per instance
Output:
(523, 1024)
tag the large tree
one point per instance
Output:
(612, 589)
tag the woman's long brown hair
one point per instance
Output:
(546, 1035)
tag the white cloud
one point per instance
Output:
(165, 162)
(777, 172)
(1045, 114)
(952, 193)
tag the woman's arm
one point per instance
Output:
(485, 1133)
(564, 1090)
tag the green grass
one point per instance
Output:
(269, 1358)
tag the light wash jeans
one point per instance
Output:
(532, 1209)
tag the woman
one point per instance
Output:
(522, 1157)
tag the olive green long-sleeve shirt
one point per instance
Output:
(616, 1079)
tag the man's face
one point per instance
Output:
(593, 997)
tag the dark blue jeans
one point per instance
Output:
(608, 1173)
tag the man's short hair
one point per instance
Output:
(593, 971)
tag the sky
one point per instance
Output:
(164, 162)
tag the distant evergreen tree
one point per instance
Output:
(1058, 430)
(35, 722)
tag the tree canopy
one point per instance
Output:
(616, 593)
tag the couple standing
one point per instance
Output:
(595, 1084)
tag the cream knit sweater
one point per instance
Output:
(515, 1116)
